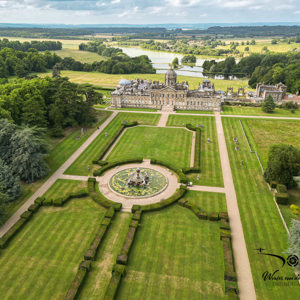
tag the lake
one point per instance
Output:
(161, 61)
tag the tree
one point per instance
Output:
(56, 71)
(246, 48)
(175, 62)
(294, 241)
(9, 185)
(268, 106)
(283, 164)
(29, 150)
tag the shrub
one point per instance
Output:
(91, 179)
(229, 274)
(137, 215)
(11, 232)
(110, 213)
(295, 209)
(282, 198)
(123, 257)
(182, 202)
(85, 265)
(47, 202)
(202, 215)
(273, 184)
(33, 207)
(76, 284)
(39, 200)
(225, 234)
(281, 188)
(224, 216)
(214, 216)
(134, 223)
(190, 170)
(106, 221)
(231, 290)
(164, 203)
(26, 214)
(117, 273)
(224, 224)
(103, 201)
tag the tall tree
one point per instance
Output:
(268, 106)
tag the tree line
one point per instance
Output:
(268, 68)
(25, 46)
(100, 48)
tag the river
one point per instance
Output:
(161, 61)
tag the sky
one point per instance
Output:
(148, 11)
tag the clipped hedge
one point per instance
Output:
(110, 165)
(282, 198)
(76, 284)
(26, 214)
(103, 201)
(281, 188)
(92, 251)
(214, 216)
(273, 184)
(123, 256)
(106, 221)
(112, 140)
(33, 207)
(224, 216)
(118, 272)
(181, 175)
(224, 224)
(12, 232)
(230, 274)
(61, 201)
(164, 203)
(110, 213)
(39, 200)
(137, 215)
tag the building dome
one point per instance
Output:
(124, 82)
(170, 77)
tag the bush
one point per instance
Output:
(47, 202)
(118, 272)
(281, 188)
(164, 203)
(231, 290)
(26, 214)
(33, 207)
(106, 221)
(224, 224)
(85, 265)
(282, 198)
(102, 170)
(39, 200)
(202, 215)
(137, 215)
(225, 234)
(273, 184)
(190, 170)
(103, 201)
(214, 216)
(76, 284)
(134, 223)
(11, 232)
(295, 209)
(229, 274)
(224, 216)
(110, 213)
(123, 257)
(91, 252)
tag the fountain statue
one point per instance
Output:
(137, 179)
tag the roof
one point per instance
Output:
(124, 82)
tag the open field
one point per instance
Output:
(80, 166)
(259, 216)
(265, 133)
(257, 111)
(82, 56)
(170, 145)
(112, 80)
(61, 150)
(42, 259)
(98, 278)
(175, 256)
(206, 201)
(210, 164)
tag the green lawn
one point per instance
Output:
(157, 143)
(42, 259)
(137, 109)
(257, 111)
(210, 165)
(264, 133)
(80, 166)
(175, 256)
(206, 201)
(260, 219)
(98, 278)
(112, 80)
(82, 56)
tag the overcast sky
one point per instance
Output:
(148, 11)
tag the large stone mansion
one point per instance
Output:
(169, 95)
(172, 95)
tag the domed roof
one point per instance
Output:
(124, 82)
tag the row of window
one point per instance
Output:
(158, 102)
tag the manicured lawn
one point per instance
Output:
(210, 165)
(208, 202)
(61, 150)
(194, 112)
(265, 133)
(175, 256)
(98, 278)
(257, 111)
(112, 80)
(42, 259)
(260, 219)
(80, 166)
(137, 109)
(170, 145)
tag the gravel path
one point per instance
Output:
(242, 264)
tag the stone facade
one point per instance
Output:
(171, 94)
(277, 91)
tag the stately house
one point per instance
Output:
(277, 91)
(166, 96)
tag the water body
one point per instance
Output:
(161, 61)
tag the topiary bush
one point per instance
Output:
(281, 188)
